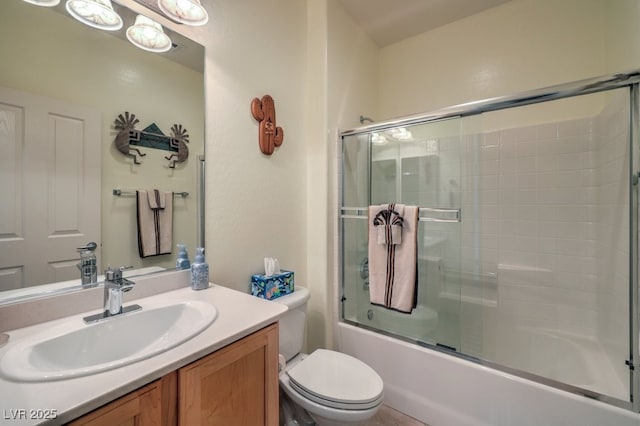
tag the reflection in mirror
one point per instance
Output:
(62, 85)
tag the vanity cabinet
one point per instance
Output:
(141, 407)
(236, 385)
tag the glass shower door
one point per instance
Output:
(416, 165)
(536, 272)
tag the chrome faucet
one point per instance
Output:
(114, 285)
(88, 265)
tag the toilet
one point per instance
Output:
(332, 387)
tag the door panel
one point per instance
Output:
(53, 187)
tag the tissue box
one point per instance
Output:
(273, 286)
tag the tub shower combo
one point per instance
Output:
(527, 253)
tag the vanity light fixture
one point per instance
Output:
(95, 13)
(147, 34)
(46, 3)
(188, 12)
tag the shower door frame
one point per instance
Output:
(631, 81)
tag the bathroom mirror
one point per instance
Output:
(52, 59)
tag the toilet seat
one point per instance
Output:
(336, 380)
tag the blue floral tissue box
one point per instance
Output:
(273, 286)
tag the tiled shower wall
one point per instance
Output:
(545, 214)
(536, 199)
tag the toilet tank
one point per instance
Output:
(292, 323)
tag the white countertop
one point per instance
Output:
(239, 314)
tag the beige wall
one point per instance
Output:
(318, 176)
(282, 205)
(518, 46)
(623, 35)
(256, 204)
(352, 61)
(352, 91)
(63, 59)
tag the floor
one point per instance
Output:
(387, 416)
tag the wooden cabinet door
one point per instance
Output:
(141, 407)
(235, 386)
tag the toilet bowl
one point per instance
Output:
(334, 388)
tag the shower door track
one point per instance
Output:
(567, 90)
(628, 80)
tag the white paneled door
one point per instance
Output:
(49, 187)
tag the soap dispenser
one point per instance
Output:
(182, 262)
(199, 271)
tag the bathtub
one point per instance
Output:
(417, 325)
(441, 390)
(564, 357)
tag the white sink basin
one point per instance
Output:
(76, 349)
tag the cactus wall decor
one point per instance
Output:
(269, 135)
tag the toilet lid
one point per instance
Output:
(336, 380)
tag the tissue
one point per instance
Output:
(271, 266)
(274, 283)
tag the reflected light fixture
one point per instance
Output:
(147, 34)
(47, 3)
(401, 134)
(378, 139)
(188, 12)
(95, 13)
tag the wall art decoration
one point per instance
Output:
(269, 135)
(150, 137)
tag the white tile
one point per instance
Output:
(490, 167)
(489, 197)
(571, 161)
(491, 138)
(509, 136)
(527, 180)
(547, 245)
(527, 228)
(528, 196)
(545, 163)
(508, 167)
(529, 133)
(527, 212)
(526, 164)
(572, 178)
(490, 152)
(526, 149)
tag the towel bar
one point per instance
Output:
(425, 214)
(124, 192)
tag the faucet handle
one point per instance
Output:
(125, 284)
(109, 274)
(115, 275)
